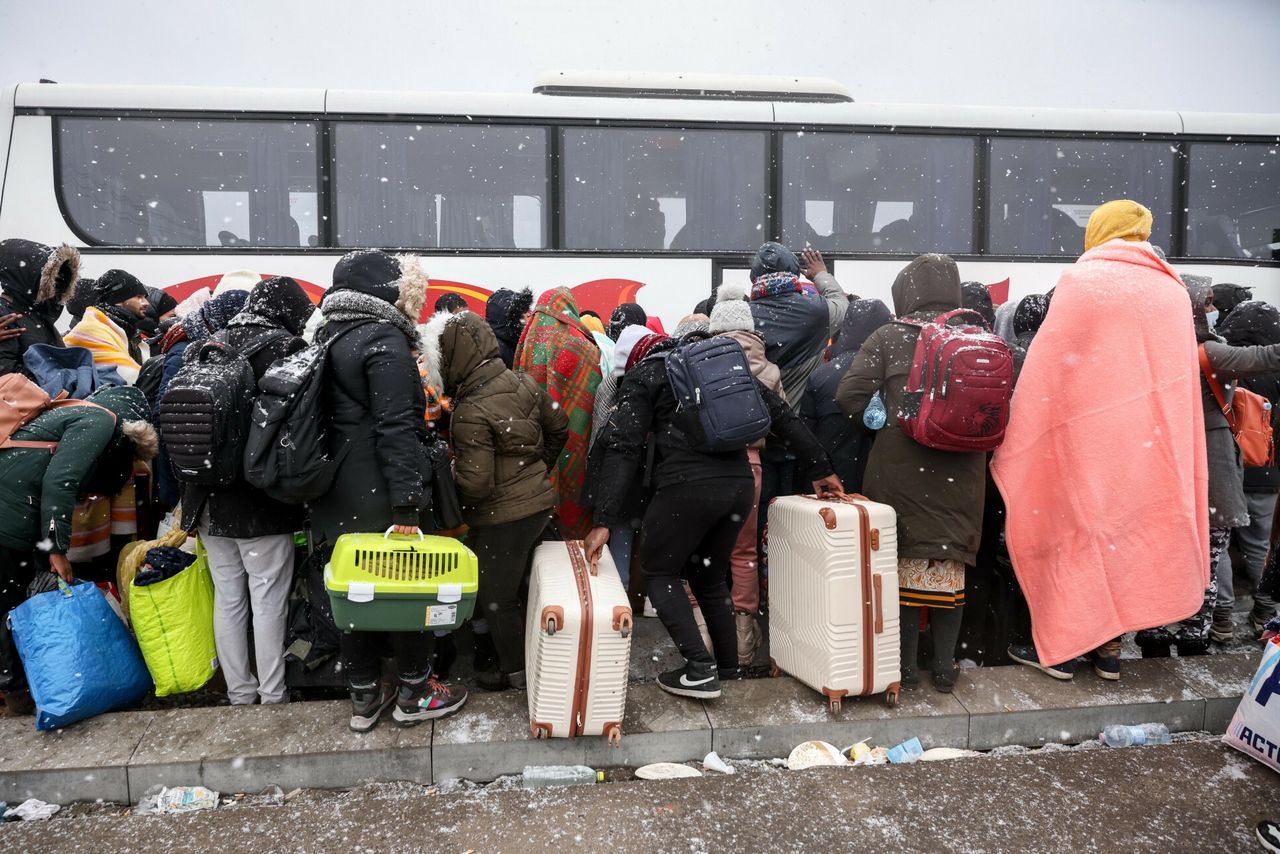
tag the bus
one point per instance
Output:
(622, 187)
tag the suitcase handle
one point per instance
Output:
(847, 498)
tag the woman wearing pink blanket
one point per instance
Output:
(1103, 465)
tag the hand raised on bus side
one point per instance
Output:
(811, 263)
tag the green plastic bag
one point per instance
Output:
(173, 622)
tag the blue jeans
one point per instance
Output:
(620, 542)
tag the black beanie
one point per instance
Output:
(116, 286)
(161, 302)
(369, 271)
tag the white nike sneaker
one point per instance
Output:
(699, 681)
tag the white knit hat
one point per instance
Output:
(237, 280)
(732, 312)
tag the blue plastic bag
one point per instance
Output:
(79, 658)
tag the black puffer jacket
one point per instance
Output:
(647, 405)
(376, 409)
(35, 281)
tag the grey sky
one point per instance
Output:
(1163, 54)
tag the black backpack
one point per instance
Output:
(148, 381)
(718, 403)
(204, 412)
(287, 453)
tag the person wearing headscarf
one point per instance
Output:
(561, 356)
(1074, 538)
(938, 495)
(1004, 321)
(1251, 324)
(626, 314)
(35, 279)
(978, 298)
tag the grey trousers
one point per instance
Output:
(251, 575)
(1253, 540)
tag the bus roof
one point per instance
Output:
(29, 96)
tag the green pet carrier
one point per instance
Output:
(413, 583)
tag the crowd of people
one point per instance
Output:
(1120, 480)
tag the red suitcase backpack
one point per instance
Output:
(958, 390)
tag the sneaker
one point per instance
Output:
(1027, 655)
(428, 700)
(945, 680)
(1269, 835)
(696, 680)
(749, 637)
(1222, 631)
(368, 704)
(1106, 666)
(486, 655)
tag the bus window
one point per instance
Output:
(1234, 200)
(1043, 190)
(188, 182)
(877, 192)
(440, 186)
(657, 189)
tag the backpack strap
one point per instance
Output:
(1206, 370)
(57, 403)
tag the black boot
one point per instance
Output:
(486, 654)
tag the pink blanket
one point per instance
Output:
(1103, 466)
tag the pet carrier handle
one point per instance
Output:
(386, 535)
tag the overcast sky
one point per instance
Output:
(1215, 55)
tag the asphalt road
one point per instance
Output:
(1197, 796)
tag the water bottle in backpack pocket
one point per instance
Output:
(719, 407)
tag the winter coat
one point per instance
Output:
(35, 281)
(761, 368)
(41, 489)
(938, 495)
(647, 405)
(376, 410)
(847, 440)
(238, 510)
(505, 431)
(796, 328)
(1256, 323)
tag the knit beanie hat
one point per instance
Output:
(691, 323)
(732, 312)
(214, 314)
(116, 286)
(774, 258)
(237, 280)
(161, 302)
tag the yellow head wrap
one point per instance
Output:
(593, 324)
(1122, 218)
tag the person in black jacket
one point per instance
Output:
(507, 312)
(1250, 324)
(36, 281)
(376, 410)
(693, 520)
(247, 534)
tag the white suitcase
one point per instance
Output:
(833, 595)
(577, 644)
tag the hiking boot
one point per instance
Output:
(486, 654)
(493, 680)
(1222, 631)
(1268, 833)
(910, 678)
(427, 700)
(368, 702)
(749, 636)
(945, 680)
(697, 680)
(1027, 655)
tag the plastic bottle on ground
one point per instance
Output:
(542, 776)
(1119, 735)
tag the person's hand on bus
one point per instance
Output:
(594, 545)
(9, 327)
(59, 565)
(811, 263)
(829, 487)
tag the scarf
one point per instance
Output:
(641, 351)
(176, 333)
(352, 305)
(778, 284)
(108, 343)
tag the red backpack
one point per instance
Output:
(958, 390)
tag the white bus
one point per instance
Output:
(621, 187)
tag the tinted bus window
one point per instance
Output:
(186, 182)
(878, 192)
(664, 189)
(445, 186)
(1234, 200)
(1043, 190)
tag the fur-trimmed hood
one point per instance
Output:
(145, 439)
(411, 287)
(396, 279)
(459, 351)
(32, 273)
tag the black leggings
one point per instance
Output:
(504, 551)
(362, 655)
(689, 531)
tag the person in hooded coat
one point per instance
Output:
(36, 281)
(506, 434)
(847, 440)
(249, 535)
(1226, 297)
(938, 495)
(1228, 507)
(626, 314)
(1251, 324)
(376, 410)
(977, 298)
(505, 313)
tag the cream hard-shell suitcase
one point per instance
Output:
(833, 595)
(577, 644)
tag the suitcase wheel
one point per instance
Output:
(613, 732)
(891, 696)
(774, 670)
(834, 704)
